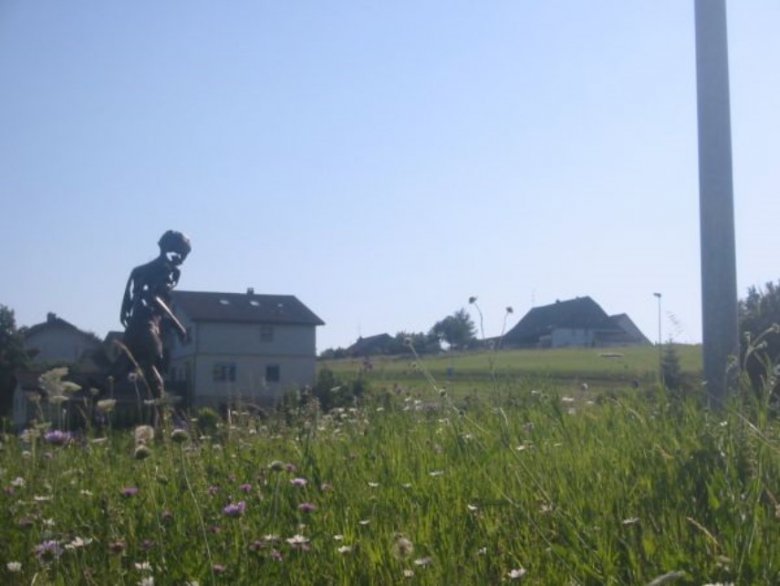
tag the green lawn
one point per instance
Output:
(483, 370)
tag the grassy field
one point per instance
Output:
(465, 373)
(526, 484)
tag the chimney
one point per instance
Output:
(50, 317)
(250, 291)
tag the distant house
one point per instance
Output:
(52, 343)
(58, 342)
(371, 345)
(242, 347)
(576, 322)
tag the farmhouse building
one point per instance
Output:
(576, 322)
(371, 345)
(242, 347)
(53, 343)
(58, 342)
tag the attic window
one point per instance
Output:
(255, 303)
(224, 302)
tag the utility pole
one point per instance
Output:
(720, 335)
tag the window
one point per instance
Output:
(266, 333)
(272, 373)
(224, 372)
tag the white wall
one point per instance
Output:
(292, 350)
(564, 337)
(59, 345)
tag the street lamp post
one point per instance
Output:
(660, 341)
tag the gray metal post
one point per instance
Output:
(716, 206)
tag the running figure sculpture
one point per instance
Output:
(146, 312)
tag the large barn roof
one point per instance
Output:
(580, 313)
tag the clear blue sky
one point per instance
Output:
(382, 161)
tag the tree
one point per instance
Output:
(12, 358)
(759, 314)
(457, 330)
(403, 342)
(670, 368)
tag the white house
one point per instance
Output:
(56, 342)
(242, 347)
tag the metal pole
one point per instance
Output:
(720, 335)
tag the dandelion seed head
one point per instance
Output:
(78, 543)
(298, 542)
(105, 405)
(180, 435)
(142, 452)
(402, 547)
(144, 434)
(517, 573)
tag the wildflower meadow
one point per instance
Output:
(525, 484)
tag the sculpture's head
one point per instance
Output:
(175, 246)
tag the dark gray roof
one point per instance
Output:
(243, 308)
(581, 313)
(370, 344)
(54, 322)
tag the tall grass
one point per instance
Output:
(524, 485)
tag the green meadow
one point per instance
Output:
(484, 371)
(523, 483)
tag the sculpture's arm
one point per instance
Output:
(180, 329)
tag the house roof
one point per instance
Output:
(243, 308)
(370, 344)
(580, 313)
(626, 324)
(54, 322)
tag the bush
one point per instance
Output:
(332, 392)
(208, 420)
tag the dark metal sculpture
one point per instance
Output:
(146, 312)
